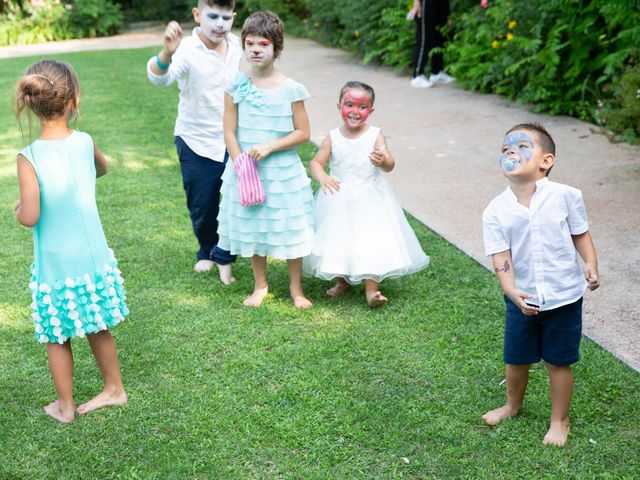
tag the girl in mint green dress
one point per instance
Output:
(265, 117)
(76, 287)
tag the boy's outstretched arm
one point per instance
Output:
(584, 246)
(170, 42)
(503, 267)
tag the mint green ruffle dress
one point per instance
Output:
(76, 286)
(283, 226)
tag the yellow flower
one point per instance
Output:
(495, 44)
(512, 24)
(509, 36)
(356, 34)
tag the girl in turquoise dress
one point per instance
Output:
(265, 117)
(76, 287)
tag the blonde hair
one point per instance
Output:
(49, 89)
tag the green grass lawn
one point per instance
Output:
(219, 391)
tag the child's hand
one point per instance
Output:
(592, 277)
(258, 152)
(377, 157)
(329, 184)
(519, 298)
(172, 37)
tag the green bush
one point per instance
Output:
(376, 29)
(165, 10)
(292, 12)
(35, 25)
(565, 56)
(94, 18)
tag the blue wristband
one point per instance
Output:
(160, 65)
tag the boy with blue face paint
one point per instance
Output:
(202, 65)
(533, 232)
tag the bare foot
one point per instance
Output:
(494, 417)
(338, 289)
(226, 276)
(376, 299)
(103, 399)
(557, 433)
(54, 411)
(203, 266)
(301, 302)
(256, 298)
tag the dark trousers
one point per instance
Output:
(202, 179)
(428, 36)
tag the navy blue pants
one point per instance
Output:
(202, 179)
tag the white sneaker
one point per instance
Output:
(442, 78)
(203, 266)
(421, 82)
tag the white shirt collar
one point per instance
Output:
(540, 184)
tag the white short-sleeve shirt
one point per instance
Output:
(545, 260)
(202, 74)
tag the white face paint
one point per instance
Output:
(216, 22)
(258, 50)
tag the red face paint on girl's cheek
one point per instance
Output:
(357, 104)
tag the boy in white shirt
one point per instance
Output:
(532, 231)
(202, 65)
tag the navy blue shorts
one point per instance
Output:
(551, 335)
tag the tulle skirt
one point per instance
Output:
(362, 233)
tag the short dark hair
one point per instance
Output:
(219, 3)
(265, 24)
(354, 84)
(544, 137)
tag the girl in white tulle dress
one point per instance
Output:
(361, 231)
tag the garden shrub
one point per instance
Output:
(292, 12)
(94, 18)
(565, 56)
(165, 10)
(34, 25)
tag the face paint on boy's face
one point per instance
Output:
(216, 22)
(258, 50)
(516, 149)
(355, 107)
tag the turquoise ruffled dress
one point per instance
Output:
(76, 286)
(282, 227)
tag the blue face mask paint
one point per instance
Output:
(517, 147)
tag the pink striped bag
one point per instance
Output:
(250, 189)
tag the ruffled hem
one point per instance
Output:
(311, 269)
(281, 252)
(76, 307)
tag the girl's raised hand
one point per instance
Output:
(258, 152)
(330, 184)
(172, 37)
(377, 156)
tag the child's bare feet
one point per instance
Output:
(301, 302)
(376, 299)
(338, 289)
(54, 411)
(103, 399)
(226, 276)
(256, 298)
(203, 266)
(494, 417)
(557, 433)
